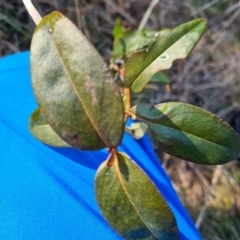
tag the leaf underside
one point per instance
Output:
(42, 131)
(189, 132)
(74, 90)
(131, 203)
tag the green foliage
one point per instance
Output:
(160, 77)
(81, 106)
(118, 29)
(131, 41)
(183, 130)
(124, 190)
(168, 46)
(41, 130)
(74, 90)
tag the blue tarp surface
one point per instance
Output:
(48, 193)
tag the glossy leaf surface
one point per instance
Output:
(168, 46)
(131, 41)
(73, 86)
(190, 133)
(131, 203)
(41, 130)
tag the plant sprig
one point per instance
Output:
(81, 106)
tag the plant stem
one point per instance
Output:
(128, 103)
(111, 158)
(32, 11)
(147, 14)
(77, 9)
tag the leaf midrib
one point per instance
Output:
(76, 92)
(126, 192)
(148, 123)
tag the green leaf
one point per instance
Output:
(74, 89)
(41, 130)
(132, 41)
(118, 29)
(190, 133)
(143, 97)
(168, 46)
(131, 203)
(160, 77)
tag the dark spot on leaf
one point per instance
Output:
(75, 139)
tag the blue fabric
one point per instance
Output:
(48, 193)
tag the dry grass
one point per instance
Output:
(209, 78)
